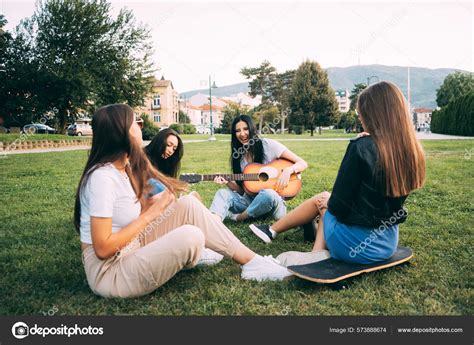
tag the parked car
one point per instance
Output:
(79, 129)
(38, 128)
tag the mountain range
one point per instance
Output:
(423, 81)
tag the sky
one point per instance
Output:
(195, 39)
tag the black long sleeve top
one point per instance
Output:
(358, 196)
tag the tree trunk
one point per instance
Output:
(260, 125)
(320, 130)
(282, 123)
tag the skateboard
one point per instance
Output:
(332, 271)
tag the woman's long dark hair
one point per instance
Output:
(157, 147)
(384, 111)
(254, 145)
(111, 141)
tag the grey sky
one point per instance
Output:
(195, 39)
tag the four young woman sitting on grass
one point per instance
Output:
(138, 230)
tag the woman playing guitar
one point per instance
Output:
(235, 201)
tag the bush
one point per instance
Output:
(178, 127)
(149, 133)
(297, 129)
(456, 118)
(189, 129)
(149, 130)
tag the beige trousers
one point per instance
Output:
(170, 243)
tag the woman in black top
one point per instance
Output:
(359, 220)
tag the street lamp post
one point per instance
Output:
(211, 86)
(370, 78)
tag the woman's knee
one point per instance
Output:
(317, 197)
(224, 193)
(192, 236)
(269, 195)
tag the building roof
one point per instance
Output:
(206, 107)
(423, 110)
(163, 83)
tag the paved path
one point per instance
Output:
(419, 135)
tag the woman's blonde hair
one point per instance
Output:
(385, 115)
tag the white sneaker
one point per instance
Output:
(302, 258)
(264, 268)
(209, 258)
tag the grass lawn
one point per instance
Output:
(41, 268)
(326, 133)
(329, 133)
(10, 137)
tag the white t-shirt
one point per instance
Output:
(272, 150)
(107, 194)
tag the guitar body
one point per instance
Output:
(256, 177)
(268, 175)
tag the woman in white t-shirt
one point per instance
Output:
(235, 202)
(132, 244)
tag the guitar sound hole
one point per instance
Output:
(263, 177)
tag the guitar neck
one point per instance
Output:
(232, 177)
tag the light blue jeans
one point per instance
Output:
(266, 202)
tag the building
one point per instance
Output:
(245, 100)
(343, 101)
(422, 117)
(200, 116)
(161, 106)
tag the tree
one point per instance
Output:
(356, 90)
(281, 94)
(84, 58)
(231, 110)
(455, 85)
(312, 101)
(456, 118)
(183, 117)
(349, 121)
(20, 81)
(262, 82)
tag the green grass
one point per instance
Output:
(329, 133)
(10, 137)
(41, 268)
(326, 133)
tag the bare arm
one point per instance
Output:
(231, 184)
(298, 166)
(106, 243)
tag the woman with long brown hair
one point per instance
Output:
(132, 244)
(359, 219)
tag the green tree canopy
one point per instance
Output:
(312, 100)
(454, 86)
(80, 58)
(355, 92)
(183, 117)
(232, 110)
(262, 80)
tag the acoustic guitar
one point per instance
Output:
(256, 177)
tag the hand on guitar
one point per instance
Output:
(284, 178)
(220, 180)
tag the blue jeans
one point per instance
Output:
(266, 202)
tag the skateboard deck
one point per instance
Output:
(332, 271)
